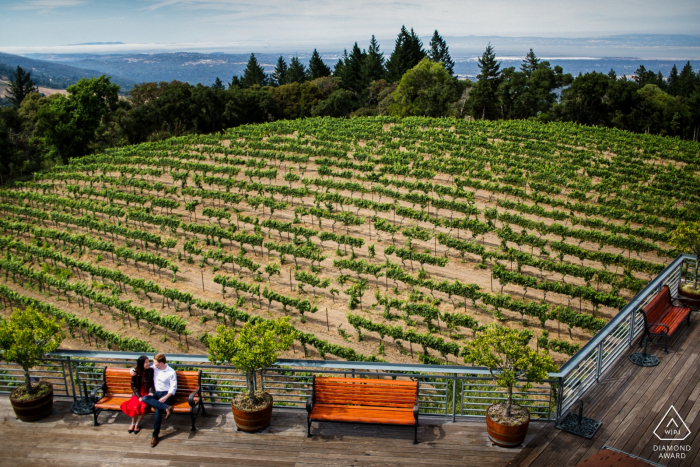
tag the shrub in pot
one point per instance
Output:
(686, 238)
(510, 359)
(25, 337)
(257, 346)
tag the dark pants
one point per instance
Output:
(160, 408)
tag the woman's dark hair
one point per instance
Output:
(139, 364)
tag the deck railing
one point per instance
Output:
(444, 390)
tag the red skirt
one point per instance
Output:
(133, 407)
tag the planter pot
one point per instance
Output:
(251, 421)
(33, 410)
(507, 436)
(691, 294)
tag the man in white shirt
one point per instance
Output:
(165, 382)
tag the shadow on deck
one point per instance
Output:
(67, 439)
(631, 401)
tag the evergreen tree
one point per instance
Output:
(484, 95)
(279, 76)
(296, 72)
(317, 69)
(642, 77)
(440, 53)
(218, 85)
(254, 74)
(530, 63)
(374, 63)
(688, 82)
(672, 82)
(408, 52)
(235, 82)
(353, 76)
(339, 70)
(21, 85)
(612, 75)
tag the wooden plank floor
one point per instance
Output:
(67, 439)
(631, 401)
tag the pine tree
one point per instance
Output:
(612, 75)
(373, 69)
(488, 81)
(408, 52)
(530, 63)
(688, 82)
(673, 83)
(21, 85)
(353, 76)
(279, 76)
(235, 82)
(317, 69)
(218, 85)
(254, 74)
(339, 70)
(440, 53)
(296, 72)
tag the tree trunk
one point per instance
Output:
(251, 386)
(509, 403)
(27, 381)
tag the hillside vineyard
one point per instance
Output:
(384, 239)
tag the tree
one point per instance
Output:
(373, 65)
(425, 90)
(257, 346)
(218, 85)
(235, 82)
(254, 74)
(279, 76)
(20, 86)
(688, 82)
(317, 69)
(408, 52)
(584, 102)
(296, 72)
(70, 123)
(484, 94)
(25, 337)
(672, 83)
(686, 238)
(353, 77)
(440, 53)
(642, 77)
(530, 63)
(507, 355)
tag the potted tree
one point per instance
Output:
(686, 238)
(509, 358)
(25, 337)
(257, 346)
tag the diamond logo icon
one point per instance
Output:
(672, 427)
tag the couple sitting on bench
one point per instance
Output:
(151, 386)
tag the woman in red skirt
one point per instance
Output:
(141, 385)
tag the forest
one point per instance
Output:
(415, 80)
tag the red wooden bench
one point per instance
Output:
(663, 317)
(116, 388)
(363, 400)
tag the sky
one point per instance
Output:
(51, 26)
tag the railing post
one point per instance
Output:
(599, 361)
(70, 372)
(560, 397)
(454, 397)
(633, 317)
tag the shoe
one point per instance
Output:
(168, 411)
(154, 441)
(131, 428)
(137, 429)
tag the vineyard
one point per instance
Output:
(384, 239)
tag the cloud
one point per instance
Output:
(45, 5)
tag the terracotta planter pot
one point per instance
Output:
(507, 436)
(251, 421)
(691, 294)
(33, 410)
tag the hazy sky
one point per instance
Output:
(46, 25)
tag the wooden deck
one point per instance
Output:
(631, 401)
(70, 440)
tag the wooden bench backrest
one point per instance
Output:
(658, 305)
(365, 392)
(118, 381)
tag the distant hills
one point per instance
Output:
(55, 75)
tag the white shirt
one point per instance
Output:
(165, 380)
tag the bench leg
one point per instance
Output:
(193, 416)
(95, 413)
(666, 344)
(415, 435)
(308, 427)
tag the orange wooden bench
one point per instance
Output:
(662, 318)
(363, 400)
(116, 388)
